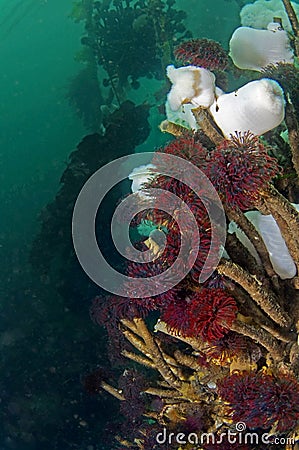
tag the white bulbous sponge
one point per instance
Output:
(267, 227)
(190, 84)
(259, 13)
(280, 257)
(141, 175)
(258, 106)
(254, 49)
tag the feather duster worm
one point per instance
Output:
(202, 53)
(239, 168)
(261, 400)
(208, 313)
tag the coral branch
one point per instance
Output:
(237, 251)
(187, 360)
(147, 345)
(172, 363)
(294, 358)
(251, 309)
(263, 297)
(261, 336)
(293, 133)
(171, 128)
(286, 217)
(142, 360)
(279, 334)
(111, 390)
(205, 122)
(277, 202)
(241, 220)
(136, 341)
(196, 343)
(163, 393)
(294, 22)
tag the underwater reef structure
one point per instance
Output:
(123, 41)
(52, 254)
(215, 363)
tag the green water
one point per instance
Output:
(47, 345)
